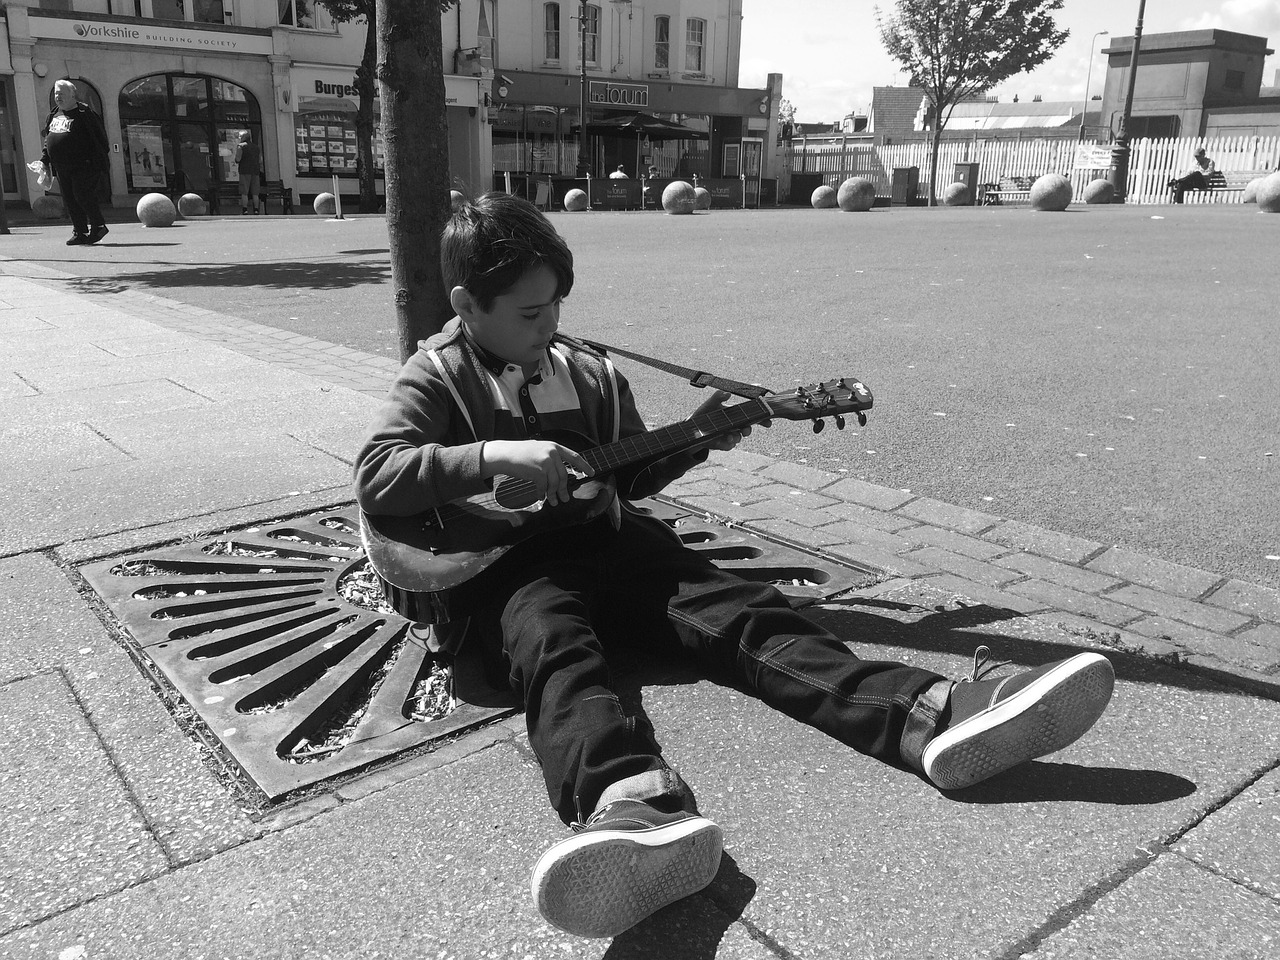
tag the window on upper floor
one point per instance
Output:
(196, 11)
(661, 43)
(1233, 80)
(551, 31)
(592, 39)
(304, 14)
(695, 36)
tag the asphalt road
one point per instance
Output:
(1107, 372)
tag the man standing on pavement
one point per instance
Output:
(250, 167)
(76, 151)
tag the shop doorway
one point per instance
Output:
(179, 133)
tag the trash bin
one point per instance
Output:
(906, 185)
(967, 173)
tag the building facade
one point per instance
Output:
(176, 81)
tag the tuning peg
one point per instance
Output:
(839, 422)
(818, 425)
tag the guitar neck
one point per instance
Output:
(663, 442)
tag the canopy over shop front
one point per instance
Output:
(643, 126)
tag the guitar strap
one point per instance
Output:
(697, 378)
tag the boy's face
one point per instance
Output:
(519, 326)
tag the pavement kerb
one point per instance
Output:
(1217, 625)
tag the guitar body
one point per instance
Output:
(431, 553)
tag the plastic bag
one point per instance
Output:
(43, 177)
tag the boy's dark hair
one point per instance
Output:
(491, 242)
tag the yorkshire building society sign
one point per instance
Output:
(618, 94)
(148, 35)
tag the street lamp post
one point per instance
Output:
(1087, 77)
(1120, 152)
(584, 164)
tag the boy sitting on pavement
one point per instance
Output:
(477, 402)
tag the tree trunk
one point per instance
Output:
(415, 137)
(365, 87)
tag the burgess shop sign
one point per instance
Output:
(147, 35)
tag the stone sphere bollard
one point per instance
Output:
(1269, 194)
(325, 204)
(456, 199)
(156, 210)
(1051, 192)
(575, 201)
(1251, 190)
(824, 198)
(47, 207)
(701, 198)
(956, 195)
(1099, 191)
(856, 194)
(679, 197)
(191, 205)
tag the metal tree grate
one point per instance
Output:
(278, 639)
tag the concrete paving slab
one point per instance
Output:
(69, 830)
(174, 781)
(36, 453)
(123, 399)
(1171, 909)
(437, 866)
(1242, 840)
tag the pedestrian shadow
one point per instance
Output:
(270, 275)
(692, 928)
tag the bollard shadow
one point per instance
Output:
(692, 928)
(270, 275)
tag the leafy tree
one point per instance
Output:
(410, 74)
(955, 49)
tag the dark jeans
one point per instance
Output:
(541, 603)
(79, 185)
(1192, 181)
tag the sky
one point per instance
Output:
(830, 55)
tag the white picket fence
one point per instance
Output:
(1151, 162)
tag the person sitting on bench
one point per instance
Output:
(1196, 178)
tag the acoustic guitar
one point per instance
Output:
(423, 559)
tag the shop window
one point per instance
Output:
(325, 142)
(85, 93)
(304, 14)
(8, 159)
(661, 43)
(695, 35)
(551, 31)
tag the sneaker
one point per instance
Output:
(244, 211)
(77, 239)
(627, 861)
(998, 723)
(98, 232)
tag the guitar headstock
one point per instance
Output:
(831, 398)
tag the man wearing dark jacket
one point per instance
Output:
(76, 151)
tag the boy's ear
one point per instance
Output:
(463, 303)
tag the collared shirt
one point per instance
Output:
(546, 401)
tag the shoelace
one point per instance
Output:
(983, 665)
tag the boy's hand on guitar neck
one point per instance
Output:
(725, 441)
(543, 463)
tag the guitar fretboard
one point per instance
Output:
(664, 441)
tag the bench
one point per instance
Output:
(1008, 190)
(1224, 186)
(268, 190)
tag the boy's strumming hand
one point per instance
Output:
(543, 463)
(725, 441)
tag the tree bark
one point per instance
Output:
(415, 137)
(366, 85)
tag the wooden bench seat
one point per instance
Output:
(1008, 190)
(1224, 186)
(268, 191)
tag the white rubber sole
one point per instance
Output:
(600, 883)
(1054, 711)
